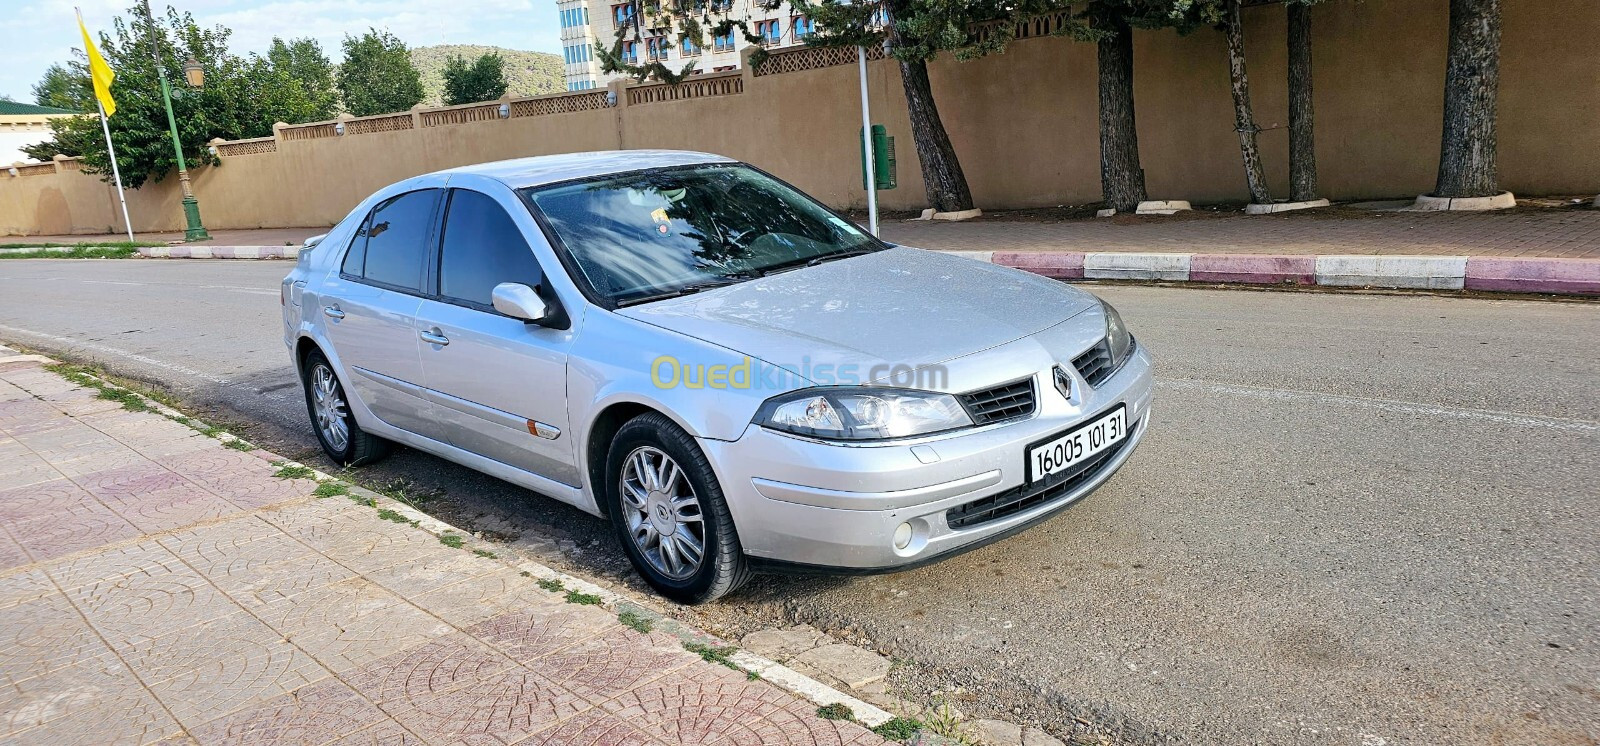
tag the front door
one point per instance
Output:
(498, 384)
(371, 308)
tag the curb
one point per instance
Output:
(756, 666)
(1486, 273)
(220, 252)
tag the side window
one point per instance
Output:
(482, 248)
(356, 258)
(396, 240)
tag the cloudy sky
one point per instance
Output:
(39, 32)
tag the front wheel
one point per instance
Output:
(669, 513)
(342, 439)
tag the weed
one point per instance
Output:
(942, 720)
(836, 711)
(240, 444)
(330, 489)
(454, 541)
(364, 501)
(525, 574)
(390, 515)
(582, 599)
(129, 400)
(552, 585)
(899, 729)
(57, 251)
(293, 472)
(639, 622)
(408, 492)
(752, 676)
(210, 431)
(712, 653)
(483, 553)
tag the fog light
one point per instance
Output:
(902, 536)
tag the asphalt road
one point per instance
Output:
(1357, 519)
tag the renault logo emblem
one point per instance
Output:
(1063, 383)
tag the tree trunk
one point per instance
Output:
(1121, 177)
(1302, 149)
(1244, 119)
(1471, 81)
(942, 178)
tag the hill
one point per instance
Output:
(527, 73)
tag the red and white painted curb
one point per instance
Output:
(201, 251)
(1503, 274)
(1491, 273)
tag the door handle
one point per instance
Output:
(434, 338)
(332, 312)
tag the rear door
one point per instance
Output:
(370, 309)
(498, 384)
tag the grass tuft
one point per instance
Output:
(240, 444)
(638, 622)
(836, 711)
(74, 252)
(292, 472)
(900, 729)
(129, 400)
(454, 541)
(582, 599)
(390, 515)
(483, 553)
(330, 489)
(552, 585)
(713, 653)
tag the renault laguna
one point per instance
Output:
(735, 376)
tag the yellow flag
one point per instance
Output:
(99, 71)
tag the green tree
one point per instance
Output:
(65, 86)
(144, 148)
(483, 79)
(302, 61)
(376, 76)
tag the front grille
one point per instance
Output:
(1004, 402)
(1095, 364)
(1029, 496)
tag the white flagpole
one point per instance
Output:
(111, 150)
(105, 126)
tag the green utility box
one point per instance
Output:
(883, 153)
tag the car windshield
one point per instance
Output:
(643, 236)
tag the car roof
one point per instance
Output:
(548, 169)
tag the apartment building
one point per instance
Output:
(587, 23)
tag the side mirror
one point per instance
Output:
(519, 302)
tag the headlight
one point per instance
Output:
(1117, 336)
(862, 412)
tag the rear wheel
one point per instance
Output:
(342, 439)
(669, 513)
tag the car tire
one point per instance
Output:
(642, 446)
(356, 446)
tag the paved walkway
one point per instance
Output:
(1572, 233)
(156, 586)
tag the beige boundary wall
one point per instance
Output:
(1024, 124)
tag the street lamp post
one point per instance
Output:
(194, 75)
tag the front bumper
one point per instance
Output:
(801, 502)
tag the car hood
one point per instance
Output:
(900, 306)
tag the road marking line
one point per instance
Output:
(1388, 405)
(109, 282)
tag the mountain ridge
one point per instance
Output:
(528, 73)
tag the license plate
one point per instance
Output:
(1061, 453)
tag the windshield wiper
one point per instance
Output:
(691, 289)
(812, 261)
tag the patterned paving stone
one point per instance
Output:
(174, 507)
(474, 599)
(328, 607)
(505, 708)
(108, 565)
(21, 471)
(532, 632)
(40, 499)
(723, 707)
(600, 667)
(591, 728)
(354, 643)
(24, 585)
(11, 553)
(131, 480)
(283, 581)
(385, 733)
(320, 714)
(78, 527)
(44, 635)
(431, 669)
(211, 669)
(131, 610)
(433, 570)
(96, 701)
(365, 547)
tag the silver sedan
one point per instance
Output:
(735, 376)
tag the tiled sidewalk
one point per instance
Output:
(158, 587)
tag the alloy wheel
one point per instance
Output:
(662, 512)
(328, 402)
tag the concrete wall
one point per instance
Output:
(1023, 122)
